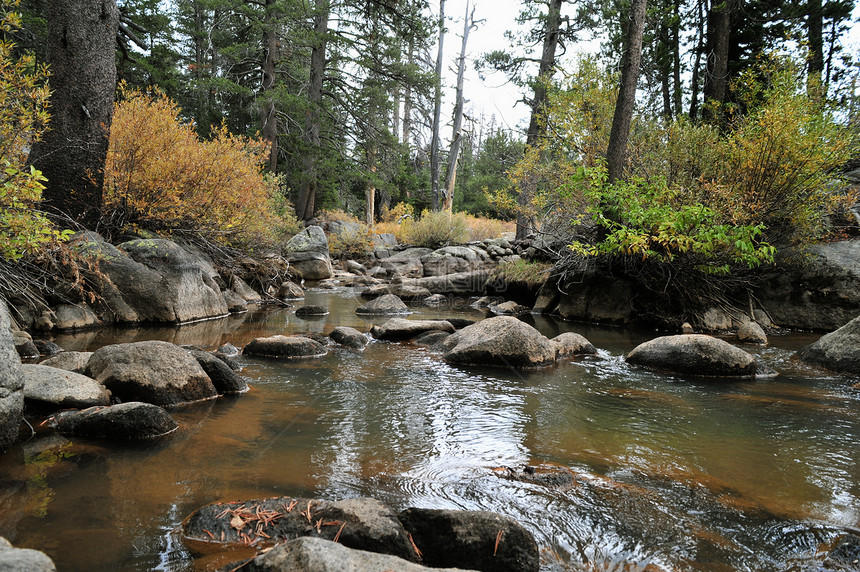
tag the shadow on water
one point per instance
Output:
(666, 472)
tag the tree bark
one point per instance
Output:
(306, 201)
(815, 37)
(616, 154)
(717, 75)
(457, 132)
(697, 64)
(407, 100)
(81, 53)
(437, 112)
(268, 116)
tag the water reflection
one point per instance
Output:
(681, 474)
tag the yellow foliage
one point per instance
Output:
(440, 228)
(481, 228)
(160, 174)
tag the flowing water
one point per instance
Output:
(669, 473)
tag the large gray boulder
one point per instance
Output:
(694, 354)
(285, 347)
(23, 559)
(149, 280)
(11, 383)
(50, 386)
(471, 539)
(364, 524)
(306, 554)
(154, 372)
(405, 291)
(384, 305)
(132, 421)
(402, 329)
(502, 341)
(839, 350)
(307, 253)
(820, 293)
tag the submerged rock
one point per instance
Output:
(59, 388)
(349, 337)
(285, 347)
(364, 524)
(397, 329)
(311, 312)
(471, 539)
(224, 378)
(502, 341)
(838, 350)
(383, 305)
(307, 554)
(127, 421)
(153, 372)
(694, 354)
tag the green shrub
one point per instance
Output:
(435, 229)
(23, 118)
(347, 244)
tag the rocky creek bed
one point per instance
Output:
(603, 463)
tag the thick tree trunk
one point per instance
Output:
(81, 53)
(546, 69)
(268, 116)
(717, 76)
(306, 201)
(437, 112)
(457, 136)
(616, 154)
(697, 64)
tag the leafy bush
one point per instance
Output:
(436, 229)
(160, 175)
(531, 273)
(23, 117)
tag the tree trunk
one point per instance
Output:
(407, 100)
(268, 116)
(616, 154)
(697, 64)
(815, 37)
(306, 201)
(437, 112)
(457, 135)
(81, 53)
(717, 76)
(546, 69)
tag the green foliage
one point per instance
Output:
(23, 117)
(435, 229)
(648, 220)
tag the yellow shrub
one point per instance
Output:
(159, 174)
(438, 229)
(481, 228)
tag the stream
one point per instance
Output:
(669, 473)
